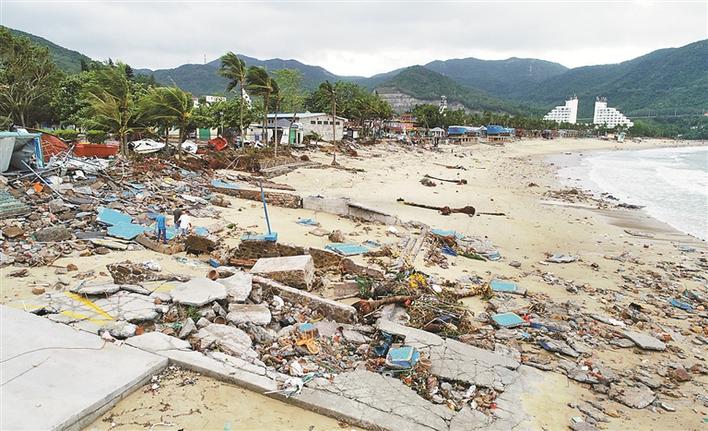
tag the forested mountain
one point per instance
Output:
(666, 79)
(66, 59)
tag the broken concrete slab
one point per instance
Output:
(368, 390)
(47, 387)
(351, 267)
(229, 339)
(198, 291)
(637, 396)
(120, 329)
(295, 271)
(188, 327)
(238, 286)
(128, 306)
(329, 309)
(324, 259)
(258, 314)
(645, 341)
(156, 342)
(96, 289)
(454, 360)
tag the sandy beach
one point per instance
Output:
(515, 179)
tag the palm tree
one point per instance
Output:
(277, 99)
(261, 84)
(234, 69)
(330, 92)
(170, 106)
(111, 104)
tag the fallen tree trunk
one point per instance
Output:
(469, 210)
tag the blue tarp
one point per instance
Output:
(307, 222)
(508, 320)
(112, 217)
(346, 249)
(126, 230)
(503, 286)
(224, 185)
(255, 237)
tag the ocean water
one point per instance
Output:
(671, 183)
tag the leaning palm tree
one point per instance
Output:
(111, 105)
(259, 83)
(170, 106)
(234, 69)
(330, 92)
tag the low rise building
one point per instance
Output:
(609, 117)
(567, 113)
(294, 126)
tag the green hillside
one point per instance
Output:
(423, 83)
(202, 79)
(497, 76)
(663, 80)
(67, 60)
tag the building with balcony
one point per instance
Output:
(567, 113)
(609, 117)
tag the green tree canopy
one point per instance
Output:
(28, 78)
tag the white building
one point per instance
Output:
(567, 113)
(610, 117)
(208, 100)
(293, 126)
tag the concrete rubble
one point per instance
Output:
(276, 317)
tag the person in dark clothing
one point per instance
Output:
(177, 214)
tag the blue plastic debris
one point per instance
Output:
(346, 249)
(445, 232)
(112, 217)
(503, 286)
(137, 186)
(492, 255)
(214, 263)
(508, 320)
(220, 184)
(382, 349)
(402, 357)
(682, 305)
(307, 222)
(306, 327)
(201, 231)
(126, 230)
(446, 249)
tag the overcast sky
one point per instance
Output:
(358, 37)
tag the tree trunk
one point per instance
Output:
(240, 114)
(334, 130)
(265, 119)
(275, 130)
(22, 118)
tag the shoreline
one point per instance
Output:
(634, 219)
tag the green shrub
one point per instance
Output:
(67, 134)
(96, 136)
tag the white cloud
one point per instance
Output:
(361, 38)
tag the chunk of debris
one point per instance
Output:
(295, 271)
(645, 341)
(258, 314)
(53, 234)
(198, 291)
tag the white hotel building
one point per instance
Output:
(610, 117)
(567, 113)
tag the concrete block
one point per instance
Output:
(238, 286)
(328, 205)
(228, 339)
(324, 259)
(329, 309)
(295, 271)
(258, 314)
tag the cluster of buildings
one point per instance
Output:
(603, 115)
